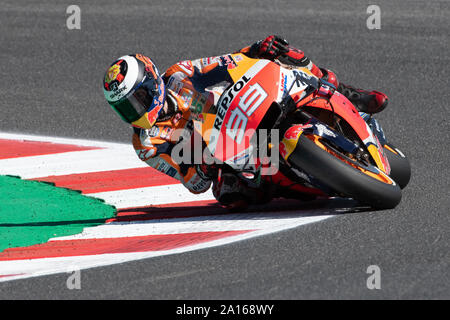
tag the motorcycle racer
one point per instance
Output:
(157, 105)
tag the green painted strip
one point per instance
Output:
(32, 212)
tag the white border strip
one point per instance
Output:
(80, 142)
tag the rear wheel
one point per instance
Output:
(346, 177)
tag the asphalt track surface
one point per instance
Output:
(51, 85)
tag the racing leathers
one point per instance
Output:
(193, 87)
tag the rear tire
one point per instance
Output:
(342, 177)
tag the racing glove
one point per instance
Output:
(276, 47)
(270, 48)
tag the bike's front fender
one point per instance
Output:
(340, 105)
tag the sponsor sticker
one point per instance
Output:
(112, 73)
(186, 66)
(228, 61)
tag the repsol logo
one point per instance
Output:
(225, 101)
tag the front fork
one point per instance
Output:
(375, 126)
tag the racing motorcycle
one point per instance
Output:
(324, 146)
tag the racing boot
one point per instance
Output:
(228, 191)
(234, 194)
(369, 102)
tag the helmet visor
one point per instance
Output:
(144, 98)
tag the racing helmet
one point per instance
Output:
(134, 88)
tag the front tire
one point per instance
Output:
(344, 178)
(400, 167)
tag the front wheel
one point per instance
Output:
(346, 177)
(400, 167)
